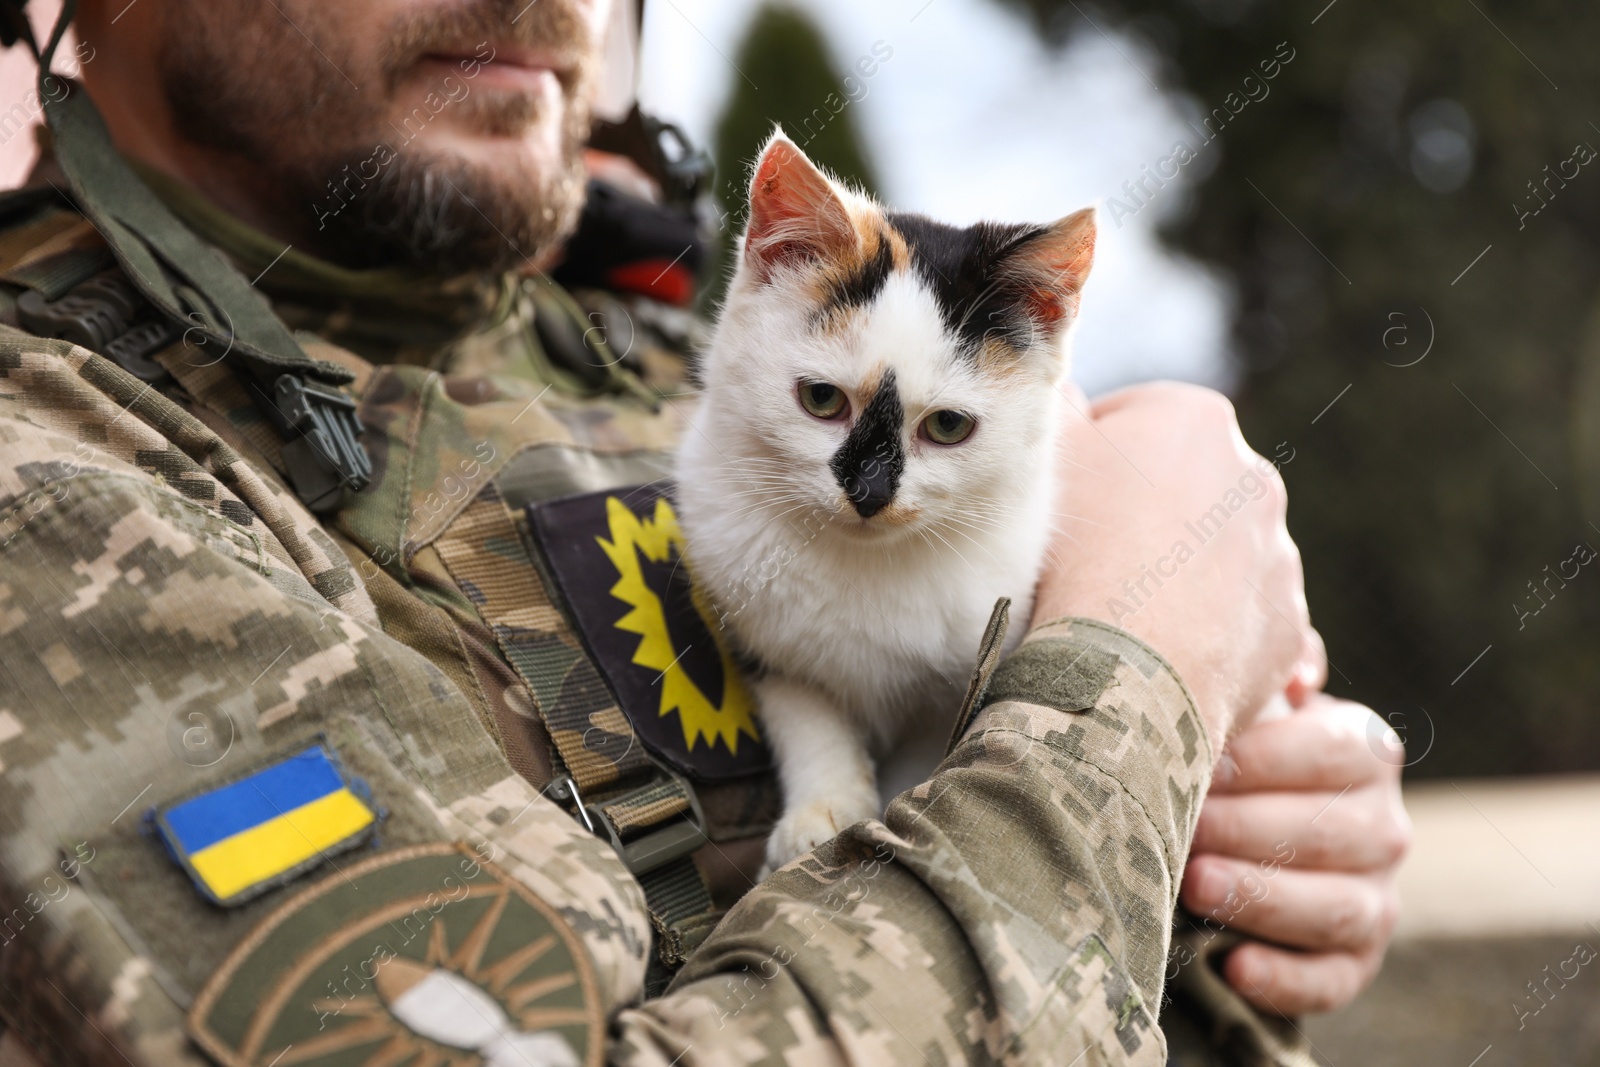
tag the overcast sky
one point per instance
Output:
(973, 118)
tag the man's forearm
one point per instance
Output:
(1016, 906)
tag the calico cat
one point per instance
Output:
(870, 467)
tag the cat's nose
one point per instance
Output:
(869, 494)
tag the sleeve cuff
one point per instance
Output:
(1126, 711)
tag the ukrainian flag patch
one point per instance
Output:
(240, 839)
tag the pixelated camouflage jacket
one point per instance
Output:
(174, 621)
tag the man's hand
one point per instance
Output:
(1173, 529)
(1314, 799)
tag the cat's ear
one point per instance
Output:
(796, 215)
(1049, 269)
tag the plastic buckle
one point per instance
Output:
(688, 168)
(656, 847)
(324, 455)
(104, 314)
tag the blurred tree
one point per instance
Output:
(787, 77)
(1413, 179)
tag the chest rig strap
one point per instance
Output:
(187, 290)
(647, 812)
(80, 296)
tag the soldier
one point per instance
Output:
(332, 547)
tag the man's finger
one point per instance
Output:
(1350, 831)
(1280, 981)
(1329, 744)
(1322, 911)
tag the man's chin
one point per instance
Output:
(457, 201)
(504, 157)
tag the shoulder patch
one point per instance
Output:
(617, 559)
(240, 839)
(420, 955)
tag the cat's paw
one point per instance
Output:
(804, 828)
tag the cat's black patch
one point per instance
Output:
(961, 266)
(862, 286)
(869, 463)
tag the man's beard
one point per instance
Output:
(339, 169)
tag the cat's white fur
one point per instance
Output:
(865, 631)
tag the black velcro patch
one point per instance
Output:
(1034, 674)
(617, 558)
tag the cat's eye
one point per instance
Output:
(947, 427)
(823, 400)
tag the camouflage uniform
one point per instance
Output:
(175, 622)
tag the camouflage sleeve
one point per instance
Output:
(1015, 908)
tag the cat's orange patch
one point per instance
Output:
(899, 250)
(997, 359)
(870, 384)
(898, 514)
(872, 232)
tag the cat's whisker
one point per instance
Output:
(998, 520)
(1056, 532)
(970, 528)
(761, 480)
(781, 494)
(772, 488)
(762, 494)
(1079, 518)
(959, 554)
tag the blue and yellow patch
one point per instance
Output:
(243, 838)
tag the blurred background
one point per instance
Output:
(1371, 229)
(1376, 227)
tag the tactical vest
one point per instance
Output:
(543, 522)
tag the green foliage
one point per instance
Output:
(1429, 496)
(787, 78)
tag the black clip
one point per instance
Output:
(106, 315)
(322, 448)
(688, 168)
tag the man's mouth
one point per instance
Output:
(495, 65)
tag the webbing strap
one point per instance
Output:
(676, 893)
(680, 912)
(647, 812)
(640, 810)
(484, 552)
(57, 275)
